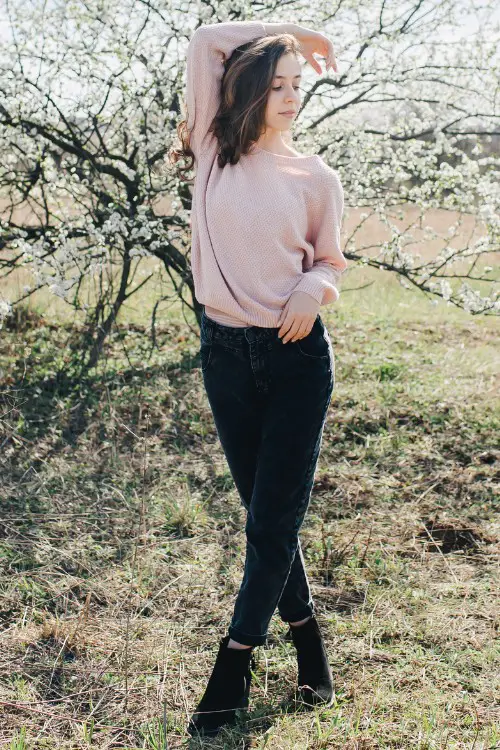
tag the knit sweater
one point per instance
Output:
(264, 227)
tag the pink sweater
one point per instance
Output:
(264, 227)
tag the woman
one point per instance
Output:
(265, 256)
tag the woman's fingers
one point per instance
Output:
(316, 65)
(334, 61)
(308, 54)
(331, 62)
(312, 43)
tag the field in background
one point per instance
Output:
(122, 542)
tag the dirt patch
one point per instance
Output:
(451, 536)
(345, 600)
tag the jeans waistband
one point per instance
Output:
(238, 335)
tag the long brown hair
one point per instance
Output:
(246, 82)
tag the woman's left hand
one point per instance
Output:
(315, 42)
(298, 316)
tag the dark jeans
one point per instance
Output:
(269, 401)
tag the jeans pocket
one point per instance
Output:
(316, 344)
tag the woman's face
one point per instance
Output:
(285, 94)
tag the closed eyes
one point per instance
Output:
(297, 88)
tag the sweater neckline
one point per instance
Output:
(284, 156)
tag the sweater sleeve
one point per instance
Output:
(321, 280)
(208, 48)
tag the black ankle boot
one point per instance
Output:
(227, 690)
(315, 683)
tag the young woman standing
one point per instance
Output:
(265, 256)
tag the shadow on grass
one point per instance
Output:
(252, 724)
(42, 422)
(34, 400)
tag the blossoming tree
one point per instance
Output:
(91, 94)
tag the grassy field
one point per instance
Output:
(122, 542)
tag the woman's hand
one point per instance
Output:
(315, 42)
(298, 316)
(310, 42)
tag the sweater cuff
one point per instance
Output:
(316, 288)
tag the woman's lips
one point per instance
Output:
(288, 114)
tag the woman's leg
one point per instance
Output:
(269, 403)
(287, 461)
(241, 369)
(238, 409)
(238, 419)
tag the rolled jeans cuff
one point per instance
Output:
(299, 614)
(247, 639)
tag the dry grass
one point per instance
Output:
(122, 542)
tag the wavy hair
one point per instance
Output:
(246, 82)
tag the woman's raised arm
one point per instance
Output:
(209, 46)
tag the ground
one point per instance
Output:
(122, 542)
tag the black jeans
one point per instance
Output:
(269, 401)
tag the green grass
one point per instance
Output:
(122, 541)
